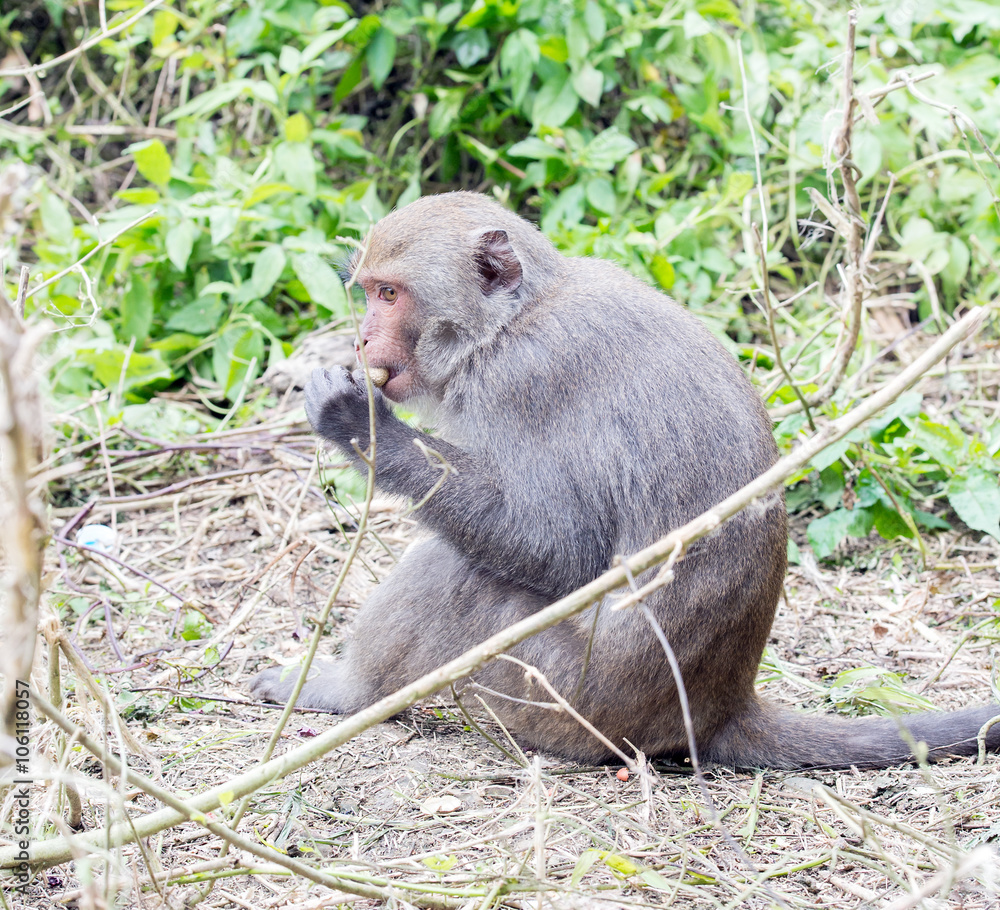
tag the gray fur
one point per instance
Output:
(586, 415)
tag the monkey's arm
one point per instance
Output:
(542, 540)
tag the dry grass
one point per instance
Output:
(231, 526)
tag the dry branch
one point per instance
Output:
(22, 527)
(845, 217)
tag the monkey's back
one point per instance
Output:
(642, 406)
(645, 422)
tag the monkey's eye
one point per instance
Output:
(388, 293)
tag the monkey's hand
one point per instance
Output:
(337, 408)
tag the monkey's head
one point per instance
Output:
(442, 277)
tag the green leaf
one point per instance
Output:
(555, 102)
(476, 14)
(297, 128)
(534, 148)
(232, 356)
(889, 523)
(196, 627)
(663, 271)
(942, 442)
(208, 102)
(180, 242)
(445, 112)
(583, 865)
(597, 25)
(518, 58)
(139, 195)
(826, 532)
(266, 191)
(738, 184)
(200, 317)
(152, 161)
(653, 878)
(607, 149)
(620, 864)
(554, 47)
(577, 41)
(588, 83)
(471, 46)
(326, 40)
(380, 54)
(349, 81)
(322, 283)
(601, 195)
(976, 500)
(165, 24)
(176, 345)
(930, 521)
(137, 311)
(830, 455)
(56, 220)
(907, 405)
(290, 60)
(222, 221)
(297, 165)
(566, 211)
(142, 371)
(267, 269)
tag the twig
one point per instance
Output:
(79, 49)
(324, 614)
(537, 675)
(343, 881)
(22, 292)
(773, 330)
(66, 542)
(182, 485)
(100, 246)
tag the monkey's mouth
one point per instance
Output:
(392, 369)
(391, 388)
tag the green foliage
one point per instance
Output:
(864, 689)
(876, 479)
(253, 143)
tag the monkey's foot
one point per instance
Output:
(325, 689)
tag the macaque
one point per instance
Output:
(583, 415)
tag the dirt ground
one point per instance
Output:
(227, 540)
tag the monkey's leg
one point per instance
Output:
(432, 607)
(436, 605)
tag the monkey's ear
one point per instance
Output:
(497, 263)
(348, 265)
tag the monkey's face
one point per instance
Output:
(389, 334)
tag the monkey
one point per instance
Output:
(582, 415)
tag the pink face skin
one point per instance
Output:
(388, 335)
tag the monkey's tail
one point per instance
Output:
(767, 736)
